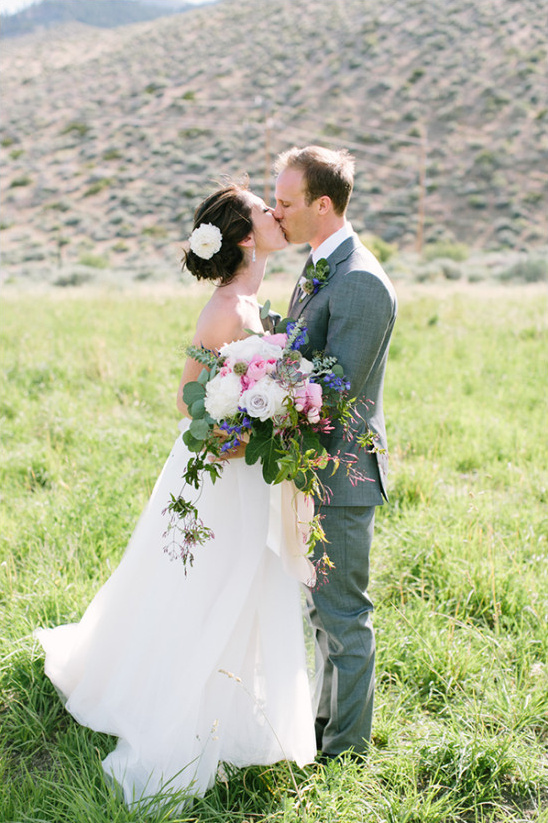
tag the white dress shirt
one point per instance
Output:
(333, 241)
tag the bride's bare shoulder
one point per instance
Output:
(219, 322)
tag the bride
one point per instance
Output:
(193, 670)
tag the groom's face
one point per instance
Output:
(297, 219)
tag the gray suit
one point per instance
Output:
(351, 318)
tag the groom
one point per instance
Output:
(350, 316)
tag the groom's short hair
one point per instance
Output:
(325, 172)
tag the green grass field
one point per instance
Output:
(460, 561)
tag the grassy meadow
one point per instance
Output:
(459, 568)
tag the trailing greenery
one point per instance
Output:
(459, 568)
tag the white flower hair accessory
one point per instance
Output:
(206, 240)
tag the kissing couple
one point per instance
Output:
(194, 667)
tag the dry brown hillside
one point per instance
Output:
(109, 137)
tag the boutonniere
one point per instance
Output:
(315, 278)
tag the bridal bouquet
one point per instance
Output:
(262, 392)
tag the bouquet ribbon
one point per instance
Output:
(291, 512)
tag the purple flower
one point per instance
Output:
(336, 383)
(228, 445)
(300, 340)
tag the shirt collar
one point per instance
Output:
(333, 241)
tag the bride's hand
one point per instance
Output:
(238, 451)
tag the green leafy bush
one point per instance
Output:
(81, 129)
(93, 261)
(76, 278)
(530, 270)
(112, 154)
(382, 250)
(443, 248)
(97, 186)
(24, 180)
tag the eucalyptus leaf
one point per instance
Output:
(265, 310)
(191, 442)
(199, 429)
(193, 391)
(197, 409)
(204, 376)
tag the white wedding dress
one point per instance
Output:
(193, 671)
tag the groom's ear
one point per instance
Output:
(325, 204)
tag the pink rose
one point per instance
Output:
(314, 393)
(308, 398)
(276, 339)
(247, 382)
(299, 397)
(256, 368)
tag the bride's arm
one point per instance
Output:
(213, 329)
(191, 372)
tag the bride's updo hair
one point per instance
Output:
(230, 211)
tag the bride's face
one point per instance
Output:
(267, 232)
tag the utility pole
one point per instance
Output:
(422, 190)
(267, 159)
(268, 122)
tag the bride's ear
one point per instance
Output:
(248, 241)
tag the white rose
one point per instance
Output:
(264, 400)
(250, 346)
(223, 396)
(305, 366)
(206, 240)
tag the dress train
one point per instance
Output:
(190, 671)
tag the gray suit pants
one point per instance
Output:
(340, 612)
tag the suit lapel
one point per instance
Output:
(340, 254)
(300, 304)
(295, 304)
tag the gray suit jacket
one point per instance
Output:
(351, 318)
